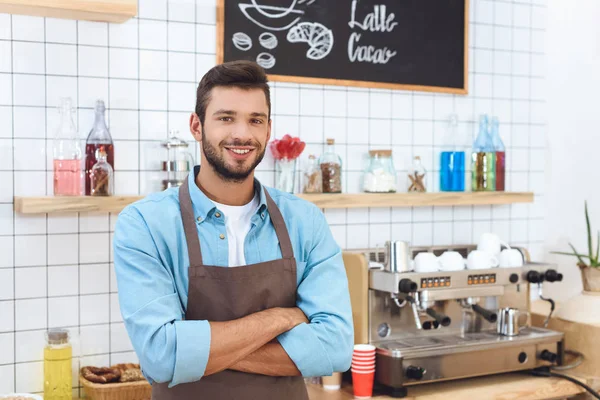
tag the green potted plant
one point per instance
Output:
(589, 264)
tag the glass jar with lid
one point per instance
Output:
(331, 169)
(380, 175)
(179, 160)
(313, 182)
(57, 365)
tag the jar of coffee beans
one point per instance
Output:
(331, 169)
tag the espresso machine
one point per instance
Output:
(438, 326)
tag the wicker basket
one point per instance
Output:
(139, 390)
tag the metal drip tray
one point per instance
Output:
(422, 346)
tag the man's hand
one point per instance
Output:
(296, 316)
(271, 360)
(232, 341)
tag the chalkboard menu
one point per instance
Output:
(400, 44)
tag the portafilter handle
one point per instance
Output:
(488, 315)
(442, 319)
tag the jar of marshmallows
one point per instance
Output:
(380, 175)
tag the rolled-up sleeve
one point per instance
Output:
(169, 348)
(325, 344)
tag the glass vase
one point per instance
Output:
(285, 174)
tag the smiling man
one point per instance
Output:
(229, 289)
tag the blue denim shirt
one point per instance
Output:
(151, 264)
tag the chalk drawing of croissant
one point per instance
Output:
(274, 18)
(318, 37)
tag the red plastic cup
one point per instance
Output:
(363, 364)
(364, 349)
(363, 370)
(364, 358)
(362, 383)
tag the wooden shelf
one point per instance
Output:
(363, 200)
(66, 204)
(41, 205)
(89, 10)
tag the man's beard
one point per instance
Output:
(215, 158)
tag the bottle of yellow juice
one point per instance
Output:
(57, 365)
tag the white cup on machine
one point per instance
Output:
(451, 261)
(510, 258)
(426, 262)
(491, 243)
(479, 259)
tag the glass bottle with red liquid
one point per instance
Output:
(67, 155)
(500, 155)
(98, 138)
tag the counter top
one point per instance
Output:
(512, 386)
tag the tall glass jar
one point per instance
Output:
(101, 176)
(98, 137)
(331, 169)
(57, 365)
(67, 155)
(380, 175)
(417, 176)
(313, 181)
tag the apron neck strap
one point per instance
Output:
(280, 229)
(189, 224)
(191, 232)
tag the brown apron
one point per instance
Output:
(224, 294)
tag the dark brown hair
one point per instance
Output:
(241, 74)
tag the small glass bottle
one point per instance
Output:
(67, 155)
(313, 182)
(98, 137)
(452, 160)
(331, 169)
(101, 175)
(417, 176)
(483, 170)
(380, 175)
(500, 151)
(58, 354)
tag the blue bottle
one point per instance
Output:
(452, 160)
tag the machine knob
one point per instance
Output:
(553, 276)
(416, 373)
(549, 356)
(407, 286)
(514, 278)
(535, 277)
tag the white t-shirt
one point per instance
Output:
(238, 223)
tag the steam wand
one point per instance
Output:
(414, 302)
(552, 304)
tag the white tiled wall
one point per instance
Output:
(56, 270)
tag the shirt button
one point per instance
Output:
(262, 215)
(222, 236)
(199, 219)
(217, 214)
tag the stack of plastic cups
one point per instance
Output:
(363, 370)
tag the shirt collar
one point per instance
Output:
(204, 207)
